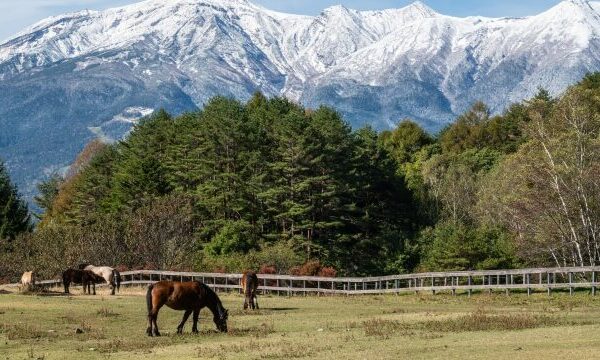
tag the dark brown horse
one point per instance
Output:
(84, 277)
(190, 297)
(249, 283)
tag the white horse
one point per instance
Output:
(110, 275)
(27, 281)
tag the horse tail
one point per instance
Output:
(149, 298)
(117, 279)
(248, 285)
(65, 279)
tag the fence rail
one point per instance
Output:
(527, 280)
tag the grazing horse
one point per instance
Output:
(110, 275)
(84, 277)
(27, 281)
(249, 285)
(190, 297)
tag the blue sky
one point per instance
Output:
(17, 14)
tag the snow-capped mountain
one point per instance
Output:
(70, 78)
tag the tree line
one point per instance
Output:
(270, 183)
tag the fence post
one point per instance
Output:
(548, 275)
(593, 283)
(454, 284)
(469, 283)
(570, 283)
(528, 282)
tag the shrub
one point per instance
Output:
(267, 269)
(328, 272)
(313, 268)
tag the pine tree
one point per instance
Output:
(140, 174)
(14, 215)
(47, 192)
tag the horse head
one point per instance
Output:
(220, 320)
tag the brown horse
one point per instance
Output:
(249, 285)
(190, 297)
(84, 277)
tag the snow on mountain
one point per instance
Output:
(67, 78)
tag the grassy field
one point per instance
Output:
(370, 327)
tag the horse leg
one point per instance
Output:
(245, 302)
(93, 287)
(255, 302)
(149, 328)
(112, 286)
(154, 316)
(150, 323)
(186, 315)
(195, 318)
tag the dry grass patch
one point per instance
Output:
(478, 320)
(385, 328)
(261, 330)
(481, 320)
(21, 331)
(259, 349)
(106, 312)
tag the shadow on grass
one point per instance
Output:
(51, 293)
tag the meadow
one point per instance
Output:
(483, 326)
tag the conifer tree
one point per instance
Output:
(14, 215)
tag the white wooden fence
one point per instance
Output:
(524, 280)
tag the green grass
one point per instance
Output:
(382, 327)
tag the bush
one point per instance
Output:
(450, 247)
(328, 272)
(313, 268)
(233, 237)
(279, 256)
(267, 269)
(161, 235)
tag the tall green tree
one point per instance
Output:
(47, 192)
(14, 214)
(141, 175)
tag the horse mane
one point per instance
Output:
(212, 295)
